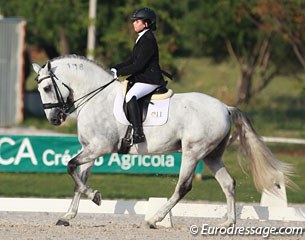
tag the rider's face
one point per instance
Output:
(139, 25)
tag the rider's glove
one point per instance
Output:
(114, 71)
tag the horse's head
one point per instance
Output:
(53, 92)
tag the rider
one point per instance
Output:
(143, 68)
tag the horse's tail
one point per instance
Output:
(267, 171)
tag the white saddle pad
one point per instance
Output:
(157, 113)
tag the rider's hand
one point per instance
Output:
(114, 71)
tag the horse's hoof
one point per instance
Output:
(97, 198)
(151, 225)
(226, 224)
(62, 223)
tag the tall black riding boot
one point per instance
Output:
(135, 118)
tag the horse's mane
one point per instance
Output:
(81, 58)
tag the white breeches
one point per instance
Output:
(140, 90)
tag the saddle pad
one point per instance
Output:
(157, 113)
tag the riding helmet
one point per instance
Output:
(148, 15)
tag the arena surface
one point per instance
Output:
(27, 225)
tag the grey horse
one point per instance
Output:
(198, 125)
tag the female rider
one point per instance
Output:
(143, 68)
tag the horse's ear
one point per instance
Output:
(49, 65)
(36, 67)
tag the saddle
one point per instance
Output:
(160, 93)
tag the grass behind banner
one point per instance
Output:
(120, 186)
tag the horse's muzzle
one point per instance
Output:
(58, 117)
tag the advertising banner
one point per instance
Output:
(25, 153)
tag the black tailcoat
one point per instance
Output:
(143, 65)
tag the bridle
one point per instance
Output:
(68, 107)
(61, 102)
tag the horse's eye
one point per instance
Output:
(47, 88)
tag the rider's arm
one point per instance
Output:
(141, 57)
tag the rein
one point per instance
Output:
(67, 107)
(92, 93)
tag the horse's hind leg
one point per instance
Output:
(183, 186)
(227, 183)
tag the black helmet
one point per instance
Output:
(148, 15)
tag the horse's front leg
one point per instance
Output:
(84, 171)
(83, 158)
(72, 211)
(81, 177)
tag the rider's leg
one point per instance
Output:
(137, 91)
(140, 90)
(135, 118)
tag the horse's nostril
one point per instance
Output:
(55, 121)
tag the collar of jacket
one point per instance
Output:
(141, 34)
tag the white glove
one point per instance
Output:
(114, 71)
